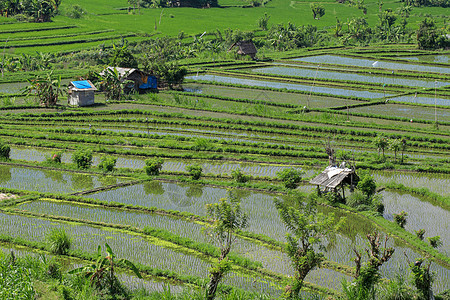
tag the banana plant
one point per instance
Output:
(103, 269)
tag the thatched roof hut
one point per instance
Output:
(142, 80)
(245, 48)
(81, 93)
(333, 177)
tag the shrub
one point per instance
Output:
(15, 281)
(59, 241)
(400, 219)
(4, 150)
(420, 233)
(195, 171)
(153, 165)
(239, 176)
(82, 158)
(367, 185)
(290, 178)
(107, 163)
(435, 241)
(76, 12)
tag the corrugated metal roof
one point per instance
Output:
(331, 177)
(83, 84)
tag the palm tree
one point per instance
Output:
(46, 89)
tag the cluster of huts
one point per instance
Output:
(82, 92)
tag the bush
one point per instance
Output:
(195, 171)
(400, 219)
(82, 158)
(420, 233)
(107, 163)
(153, 165)
(76, 12)
(435, 241)
(239, 176)
(4, 150)
(59, 241)
(290, 178)
(367, 185)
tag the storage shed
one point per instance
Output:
(81, 93)
(245, 48)
(142, 81)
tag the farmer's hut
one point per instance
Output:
(245, 48)
(81, 93)
(141, 81)
(334, 177)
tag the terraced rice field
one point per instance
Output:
(257, 117)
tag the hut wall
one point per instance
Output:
(81, 98)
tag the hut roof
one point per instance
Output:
(124, 73)
(331, 177)
(245, 47)
(82, 85)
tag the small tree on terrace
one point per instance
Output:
(318, 10)
(395, 145)
(381, 143)
(308, 229)
(227, 218)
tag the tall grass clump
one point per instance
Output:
(59, 241)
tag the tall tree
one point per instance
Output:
(308, 232)
(227, 217)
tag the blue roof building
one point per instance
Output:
(81, 93)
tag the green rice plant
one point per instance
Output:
(59, 241)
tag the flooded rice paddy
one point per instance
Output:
(362, 62)
(289, 86)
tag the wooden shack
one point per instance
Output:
(245, 48)
(81, 93)
(333, 178)
(140, 81)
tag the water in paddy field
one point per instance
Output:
(443, 59)
(421, 215)
(422, 100)
(289, 86)
(362, 62)
(405, 111)
(43, 180)
(170, 165)
(13, 87)
(435, 183)
(347, 76)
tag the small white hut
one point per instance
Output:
(81, 93)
